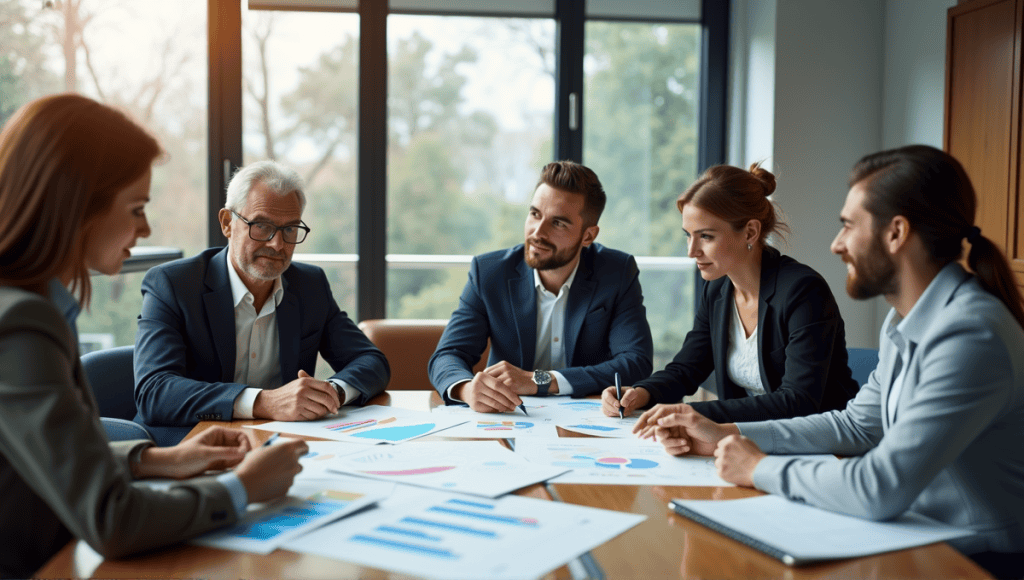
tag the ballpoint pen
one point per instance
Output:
(268, 442)
(618, 394)
(522, 407)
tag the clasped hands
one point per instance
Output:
(682, 430)
(303, 399)
(497, 388)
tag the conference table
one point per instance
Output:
(664, 545)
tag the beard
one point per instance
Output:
(261, 270)
(556, 260)
(873, 275)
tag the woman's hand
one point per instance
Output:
(681, 429)
(632, 399)
(215, 448)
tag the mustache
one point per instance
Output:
(268, 253)
(540, 244)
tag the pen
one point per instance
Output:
(271, 440)
(522, 407)
(618, 394)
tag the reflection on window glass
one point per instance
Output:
(149, 59)
(640, 136)
(470, 113)
(300, 107)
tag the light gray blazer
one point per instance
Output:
(955, 450)
(59, 476)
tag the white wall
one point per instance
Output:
(817, 84)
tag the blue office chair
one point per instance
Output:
(862, 361)
(112, 376)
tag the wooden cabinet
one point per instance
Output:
(983, 115)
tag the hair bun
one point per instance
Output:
(767, 178)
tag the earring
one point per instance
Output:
(749, 247)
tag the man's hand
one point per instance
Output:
(215, 448)
(681, 430)
(303, 399)
(736, 457)
(517, 379)
(486, 394)
(268, 472)
(632, 399)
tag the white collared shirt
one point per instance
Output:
(551, 329)
(258, 345)
(896, 331)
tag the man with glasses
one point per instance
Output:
(233, 333)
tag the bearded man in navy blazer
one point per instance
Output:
(563, 314)
(233, 333)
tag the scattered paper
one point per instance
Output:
(372, 424)
(496, 425)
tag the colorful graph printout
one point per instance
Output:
(308, 506)
(602, 426)
(496, 425)
(441, 535)
(475, 467)
(619, 461)
(371, 424)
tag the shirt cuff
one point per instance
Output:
(448, 391)
(564, 386)
(242, 409)
(351, 394)
(239, 497)
(759, 432)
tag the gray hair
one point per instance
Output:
(278, 178)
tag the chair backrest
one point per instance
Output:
(408, 345)
(112, 377)
(862, 361)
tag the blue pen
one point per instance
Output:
(618, 394)
(271, 440)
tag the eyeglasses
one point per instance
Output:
(264, 232)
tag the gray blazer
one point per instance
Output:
(59, 476)
(955, 449)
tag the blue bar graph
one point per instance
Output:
(450, 527)
(405, 547)
(507, 520)
(408, 532)
(475, 504)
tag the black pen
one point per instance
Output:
(618, 394)
(522, 407)
(271, 440)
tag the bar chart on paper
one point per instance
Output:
(444, 535)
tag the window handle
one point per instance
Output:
(573, 120)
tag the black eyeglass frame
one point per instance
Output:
(301, 226)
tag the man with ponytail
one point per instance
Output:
(938, 428)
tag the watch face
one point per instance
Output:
(542, 377)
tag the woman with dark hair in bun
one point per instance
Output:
(768, 324)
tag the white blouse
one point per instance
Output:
(742, 357)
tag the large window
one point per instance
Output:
(300, 107)
(148, 59)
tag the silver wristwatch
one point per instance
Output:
(543, 380)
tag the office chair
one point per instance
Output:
(112, 377)
(408, 346)
(862, 361)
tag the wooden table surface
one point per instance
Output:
(662, 546)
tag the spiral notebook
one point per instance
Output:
(797, 533)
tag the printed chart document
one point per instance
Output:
(475, 467)
(797, 533)
(602, 426)
(371, 424)
(562, 410)
(308, 505)
(619, 462)
(442, 535)
(496, 425)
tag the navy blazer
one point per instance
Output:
(801, 345)
(185, 346)
(606, 328)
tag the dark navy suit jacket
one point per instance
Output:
(606, 328)
(801, 345)
(185, 346)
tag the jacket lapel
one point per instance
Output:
(581, 294)
(220, 311)
(721, 310)
(523, 301)
(288, 327)
(769, 278)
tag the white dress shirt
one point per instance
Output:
(258, 345)
(742, 357)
